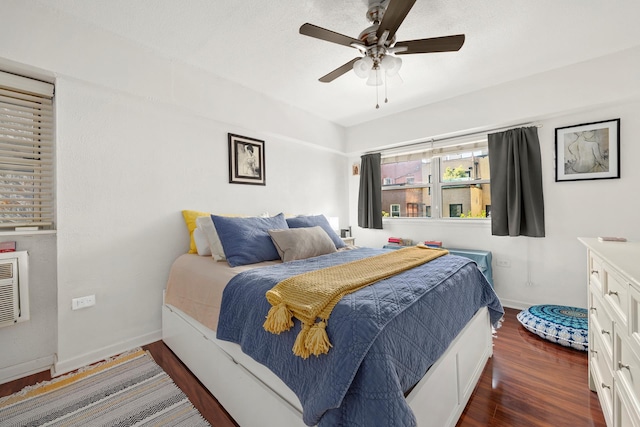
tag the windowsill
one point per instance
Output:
(474, 221)
(26, 233)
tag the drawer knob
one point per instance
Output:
(596, 272)
(593, 309)
(604, 331)
(594, 351)
(613, 293)
(623, 366)
(606, 386)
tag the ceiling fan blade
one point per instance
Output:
(435, 44)
(338, 71)
(328, 35)
(396, 11)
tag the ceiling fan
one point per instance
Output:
(377, 43)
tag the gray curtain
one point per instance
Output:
(370, 195)
(517, 204)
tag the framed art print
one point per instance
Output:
(246, 160)
(588, 151)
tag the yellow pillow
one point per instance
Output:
(190, 219)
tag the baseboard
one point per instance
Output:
(22, 370)
(63, 366)
(515, 304)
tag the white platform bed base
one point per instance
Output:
(254, 396)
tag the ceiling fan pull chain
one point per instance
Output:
(377, 87)
(386, 99)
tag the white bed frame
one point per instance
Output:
(256, 397)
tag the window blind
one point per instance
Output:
(26, 153)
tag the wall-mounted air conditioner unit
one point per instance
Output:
(14, 287)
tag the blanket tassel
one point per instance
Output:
(299, 347)
(279, 319)
(317, 340)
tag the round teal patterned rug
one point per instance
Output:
(567, 326)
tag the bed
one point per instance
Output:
(382, 372)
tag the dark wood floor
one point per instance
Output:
(528, 382)
(532, 382)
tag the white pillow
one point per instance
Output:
(202, 244)
(205, 223)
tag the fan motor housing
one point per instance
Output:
(376, 10)
(374, 15)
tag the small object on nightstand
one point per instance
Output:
(392, 246)
(349, 240)
(612, 239)
(433, 243)
(7, 246)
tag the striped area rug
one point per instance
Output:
(129, 390)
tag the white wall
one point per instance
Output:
(555, 266)
(138, 139)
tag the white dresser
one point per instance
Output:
(614, 328)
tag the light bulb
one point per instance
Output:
(375, 77)
(387, 62)
(394, 65)
(362, 67)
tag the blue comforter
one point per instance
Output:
(385, 336)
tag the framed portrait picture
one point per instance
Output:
(588, 151)
(246, 160)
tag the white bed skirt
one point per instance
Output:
(254, 396)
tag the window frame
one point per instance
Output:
(435, 187)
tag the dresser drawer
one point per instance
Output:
(626, 414)
(601, 323)
(616, 293)
(627, 368)
(600, 365)
(634, 318)
(596, 271)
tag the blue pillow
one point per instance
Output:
(247, 240)
(312, 221)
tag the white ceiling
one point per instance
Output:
(256, 44)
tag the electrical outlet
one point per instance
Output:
(83, 302)
(503, 263)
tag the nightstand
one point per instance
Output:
(482, 258)
(349, 240)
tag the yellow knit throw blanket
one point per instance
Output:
(313, 295)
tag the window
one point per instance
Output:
(455, 210)
(395, 210)
(26, 152)
(414, 209)
(445, 182)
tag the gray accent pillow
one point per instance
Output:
(302, 243)
(313, 220)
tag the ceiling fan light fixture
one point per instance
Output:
(375, 78)
(391, 64)
(362, 67)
